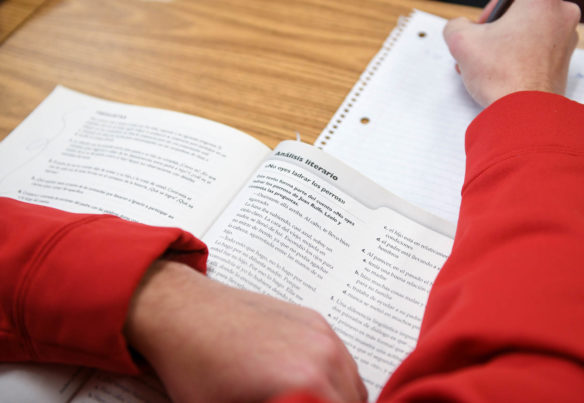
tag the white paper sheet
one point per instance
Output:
(403, 123)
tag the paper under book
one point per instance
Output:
(294, 223)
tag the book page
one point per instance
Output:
(33, 383)
(309, 230)
(403, 123)
(84, 154)
(116, 388)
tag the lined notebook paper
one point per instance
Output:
(403, 123)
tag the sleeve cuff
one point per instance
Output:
(73, 298)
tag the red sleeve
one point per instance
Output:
(505, 318)
(66, 281)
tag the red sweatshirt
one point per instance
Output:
(505, 318)
(66, 281)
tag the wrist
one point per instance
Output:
(150, 315)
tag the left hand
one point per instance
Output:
(212, 343)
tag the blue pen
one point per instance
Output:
(499, 10)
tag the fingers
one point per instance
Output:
(343, 373)
(456, 33)
(487, 11)
(352, 385)
(345, 385)
(358, 385)
(334, 376)
(572, 13)
(455, 25)
(575, 40)
(362, 394)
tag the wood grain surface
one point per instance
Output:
(268, 67)
(13, 13)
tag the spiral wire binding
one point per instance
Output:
(361, 84)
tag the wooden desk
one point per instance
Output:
(267, 67)
(13, 13)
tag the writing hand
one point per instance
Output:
(528, 48)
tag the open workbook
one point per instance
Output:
(293, 222)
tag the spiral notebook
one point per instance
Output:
(404, 121)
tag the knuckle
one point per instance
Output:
(313, 378)
(328, 347)
(331, 351)
(456, 41)
(575, 39)
(318, 322)
(455, 25)
(572, 13)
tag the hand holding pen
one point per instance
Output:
(496, 9)
(529, 48)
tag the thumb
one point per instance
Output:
(456, 27)
(487, 11)
(457, 34)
